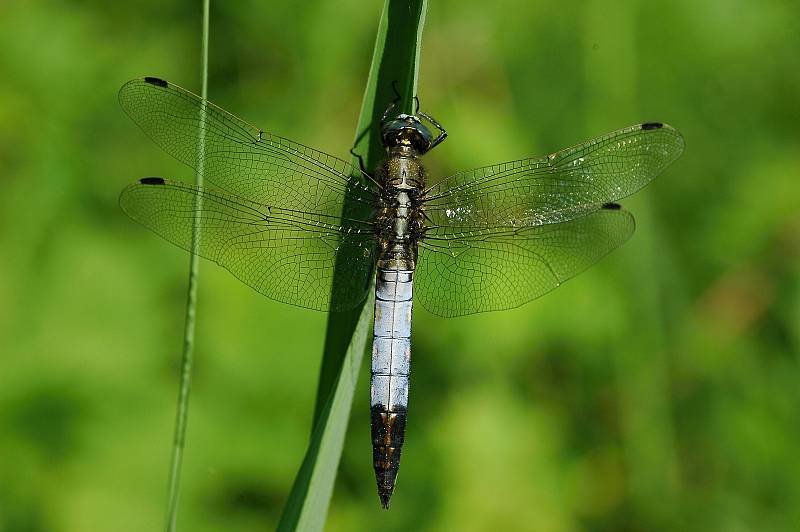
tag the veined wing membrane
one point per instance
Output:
(555, 188)
(239, 157)
(505, 267)
(285, 254)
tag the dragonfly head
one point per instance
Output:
(407, 133)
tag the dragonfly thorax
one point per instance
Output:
(399, 225)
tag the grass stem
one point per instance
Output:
(187, 358)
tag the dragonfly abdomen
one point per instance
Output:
(399, 224)
(391, 359)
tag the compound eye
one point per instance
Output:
(419, 142)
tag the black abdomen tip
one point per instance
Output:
(158, 82)
(612, 206)
(652, 125)
(152, 181)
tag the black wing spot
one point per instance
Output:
(612, 206)
(152, 181)
(652, 125)
(158, 82)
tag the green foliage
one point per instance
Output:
(657, 391)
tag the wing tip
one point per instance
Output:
(131, 189)
(130, 88)
(623, 212)
(680, 142)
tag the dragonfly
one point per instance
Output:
(283, 217)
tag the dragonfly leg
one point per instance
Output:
(397, 98)
(442, 133)
(360, 161)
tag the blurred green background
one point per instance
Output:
(657, 391)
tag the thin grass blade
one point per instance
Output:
(187, 358)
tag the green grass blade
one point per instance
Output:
(187, 358)
(394, 61)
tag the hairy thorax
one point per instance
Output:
(400, 222)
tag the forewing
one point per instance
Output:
(286, 254)
(239, 157)
(555, 188)
(503, 268)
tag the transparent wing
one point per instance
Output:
(287, 255)
(504, 267)
(239, 157)
(555, 188)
